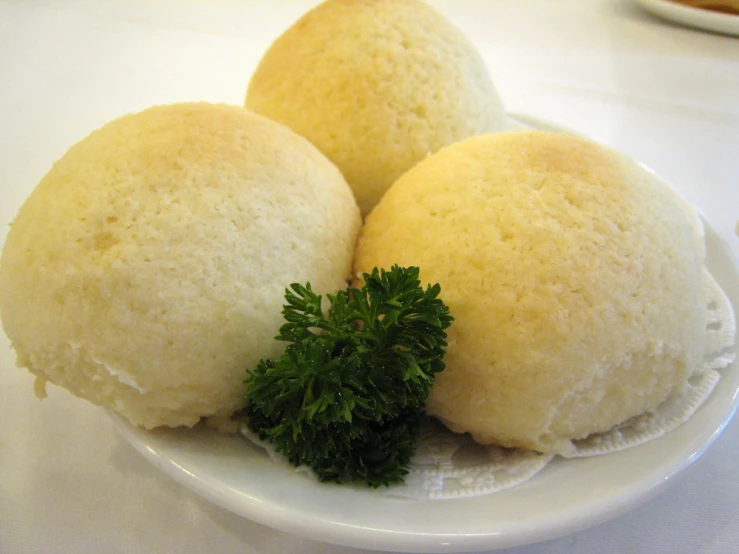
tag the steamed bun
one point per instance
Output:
(146, 271)
(573, 274)
(376, 86)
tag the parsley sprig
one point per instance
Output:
(347, 397)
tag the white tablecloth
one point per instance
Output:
(666, 95)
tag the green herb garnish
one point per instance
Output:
(347, 397)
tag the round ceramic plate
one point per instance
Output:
(566, 496)
(700, 18)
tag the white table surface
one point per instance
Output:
(666, 95)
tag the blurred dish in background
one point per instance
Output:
(724, 6)
(719, 16)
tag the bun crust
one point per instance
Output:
(573, 274)
(376, 85)
(146, 272)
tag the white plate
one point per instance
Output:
(567, 496)
(693, 17)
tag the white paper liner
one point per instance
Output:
(453, 466)
(447, 465)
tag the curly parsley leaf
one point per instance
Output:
(347, 397)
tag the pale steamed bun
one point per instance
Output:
(573, 276)
(146, 272)
(376, 86)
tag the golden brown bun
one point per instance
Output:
(573, 274)
(146, 271)
(376, 85)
